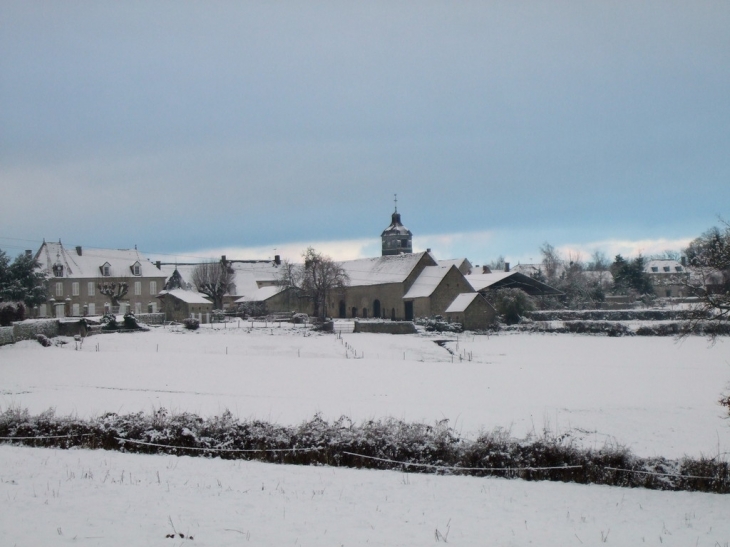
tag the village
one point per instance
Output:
(400, 285)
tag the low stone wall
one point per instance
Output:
(394, 327)
(6, 336)
(28, 329)
(151, 318)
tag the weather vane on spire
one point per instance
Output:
(395, 198)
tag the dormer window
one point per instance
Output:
(58, 270)
(136, 268)
(106, 270)
(654, 269)
(666, 268)
(678, 268)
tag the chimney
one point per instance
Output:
(28, 253)
(277, 259)
(684, 261)
(428, 250)
(78, 250)
(158, 264)
(486, 270)
(506, 267)
(223, 259)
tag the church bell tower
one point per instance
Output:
(397, 239)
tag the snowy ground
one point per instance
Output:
(652, 394)
(79, 497)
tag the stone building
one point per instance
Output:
(85, 282)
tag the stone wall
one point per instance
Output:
(396, 327)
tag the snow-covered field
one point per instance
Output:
(654, 395)
(79, 497)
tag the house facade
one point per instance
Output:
(87, 282)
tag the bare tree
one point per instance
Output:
(316, 278)
(116, 289)
(214, 280)
(551, 260)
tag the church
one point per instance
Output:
(403, 285)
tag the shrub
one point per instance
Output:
(130, 321)
(109, 322)
(191, 324)
(511, 304)
(43, 340)
(11, 311)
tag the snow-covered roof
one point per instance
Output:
(260, 295)
(462, 301)
(82, 262)
(462, 264)
(427, 281)
(248, 276)
(383, 269)
(664, 267)
(510, 279)
(482, 281)
(189, 297)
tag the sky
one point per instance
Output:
(194, 129)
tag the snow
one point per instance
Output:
(427, 281)
(55, 497)
(190, 297)
(461, 302)
(654, 395)
(380, 270)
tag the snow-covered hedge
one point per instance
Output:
(28, 329)
(611, 315)
(380, 444)
(6, 335)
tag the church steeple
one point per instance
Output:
(397, 239)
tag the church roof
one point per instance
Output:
(383, 269)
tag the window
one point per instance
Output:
(135, 268)
(57, 270)
(137, 288)
(75, 289)
(59, 289)
(153, 287)
(678, 268)
(654, 269)
(91, 288)
(92, 308)
(666, 268)
(106, 270)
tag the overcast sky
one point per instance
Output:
(198, 128)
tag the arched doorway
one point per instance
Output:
(343, 310)
(354, 311)
(376, 308)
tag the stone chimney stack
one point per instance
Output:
(277, 259)
(506, 267)
(79, 250)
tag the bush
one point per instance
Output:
(511, 304)
(191, 324)
(11, 311)
(130, 321)
(109, 322)
(43, 340)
